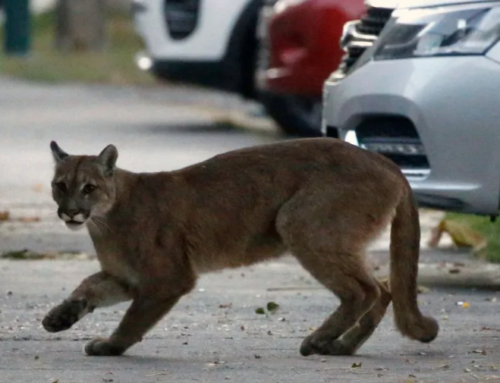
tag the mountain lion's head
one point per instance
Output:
(83, 186)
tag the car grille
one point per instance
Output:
(374, 21)
(395, 138)
(181, 17)
(358, 36)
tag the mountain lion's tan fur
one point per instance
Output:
(321, 199)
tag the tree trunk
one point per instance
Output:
(123, 6)
(81, 25)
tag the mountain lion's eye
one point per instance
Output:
(87, 189)
(61, 186)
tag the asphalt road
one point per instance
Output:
(213, 334)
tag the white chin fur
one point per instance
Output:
(75, 226)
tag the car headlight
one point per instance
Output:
(464, 30)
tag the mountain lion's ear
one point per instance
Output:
(57, 152)
(107, 158)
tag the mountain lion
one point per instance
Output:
(321, 199)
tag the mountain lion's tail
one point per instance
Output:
(405, 244)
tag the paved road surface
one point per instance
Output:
(214, 334)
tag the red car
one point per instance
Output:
(299, 49)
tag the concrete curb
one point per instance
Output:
(480, 275)
(245, 121)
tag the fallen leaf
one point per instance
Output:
(492, 299)
(31, 255)
(260, 311)
(29, 219)
(4, 215)
(23, 254)
(461, 234)
(356, 365)
(272, 307)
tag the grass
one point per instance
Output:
(488, 229)
(114, 65)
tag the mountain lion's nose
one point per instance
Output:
(72, 212)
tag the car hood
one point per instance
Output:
(393, 4)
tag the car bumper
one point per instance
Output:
(218, 75)
(300, 46)
(452, 103)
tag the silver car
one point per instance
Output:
(420, 83)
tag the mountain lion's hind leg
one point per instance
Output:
(329, 242)
(98, 290)
(358, 293)
(353, 339)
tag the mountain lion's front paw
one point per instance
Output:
(103, 347)
(64, 316)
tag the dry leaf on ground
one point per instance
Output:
(38, 187)
(461, 234)
(4, 215)
(29, 219)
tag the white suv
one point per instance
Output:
(205, 42)
(420, 84)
